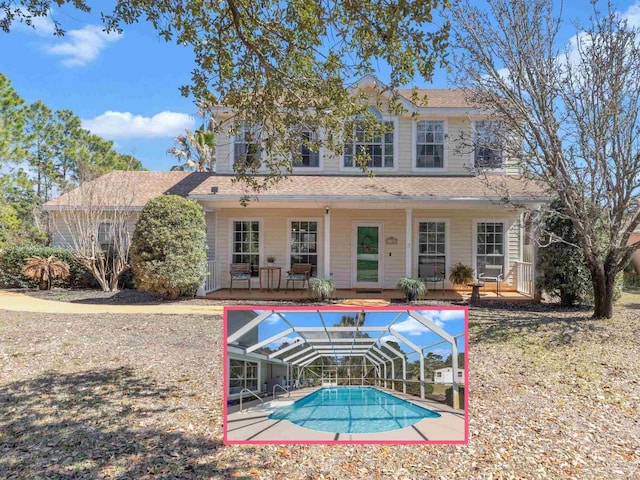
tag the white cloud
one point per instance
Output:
(632, 15)
(410, 327)
(78, 47)
(127, 125)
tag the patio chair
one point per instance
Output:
(492, 273)
(240, 271)
(300, 272)
(433, 273)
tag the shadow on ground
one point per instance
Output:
(549, 325)
(101, 423)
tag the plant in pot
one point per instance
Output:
(270, 260)
(413, 288)
(461, 274)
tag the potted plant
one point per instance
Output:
(461, 274)
(413, 288)
(270, 260)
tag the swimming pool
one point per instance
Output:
(352, 410)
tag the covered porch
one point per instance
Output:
(383, 296)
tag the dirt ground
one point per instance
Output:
(552, 394)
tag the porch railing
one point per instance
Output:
(211, 281)
(524, 277)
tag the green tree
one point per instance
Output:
(168, 249)
(561, 265)
(576, 115)
(11, 122)
(283, 65)
(39, 142)
(195, 151)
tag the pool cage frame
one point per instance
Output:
(374, 359)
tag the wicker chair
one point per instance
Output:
(240, 272)
(300, 272)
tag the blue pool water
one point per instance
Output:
(352, 410)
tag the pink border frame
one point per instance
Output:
(226, 441)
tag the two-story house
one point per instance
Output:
(423, 206)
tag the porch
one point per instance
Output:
(346, 295)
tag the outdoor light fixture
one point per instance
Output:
(326, 210)
(214, 190)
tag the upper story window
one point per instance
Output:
(487, 153)
(307, 157)
(430, 144)
(246, 145)
(378, 148)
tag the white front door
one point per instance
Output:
(366, 254)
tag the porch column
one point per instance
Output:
(327, 243)
(408, 248)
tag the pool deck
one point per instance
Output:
(255, 426)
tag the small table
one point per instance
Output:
(475, 292)
(270, 277)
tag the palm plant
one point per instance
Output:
(195, 150)
(45, 269)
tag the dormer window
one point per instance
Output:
(488, 150)
(378, 147)
(307, 157)
(430, 144)
(246, 146)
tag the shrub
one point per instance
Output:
(45, 269)
(14, 258)
(412, 288)
(168, 249)
(321, 289)
(448, 393)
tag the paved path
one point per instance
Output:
(19, 302)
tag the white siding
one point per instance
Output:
(274, 238)
(60, 224)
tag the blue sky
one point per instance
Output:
(451, 321)
(125, 88)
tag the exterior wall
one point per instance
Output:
(274, 225)
(458, 157)
(60, 231)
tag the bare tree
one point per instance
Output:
(94, 225)
(575, 111)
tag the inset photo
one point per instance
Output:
(346, 375)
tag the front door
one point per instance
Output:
(367, 251)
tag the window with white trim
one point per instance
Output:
(430, 144)
(242, 374)
(431, 247)
(490, 246)
(307, 157)
(246, 146)
(378, 148)
(304, 244)
(246, 244)
(487, 141)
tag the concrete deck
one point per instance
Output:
(255, 425)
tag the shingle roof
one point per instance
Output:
(147, 185)
(438, 97)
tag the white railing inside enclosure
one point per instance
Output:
(211, 281)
